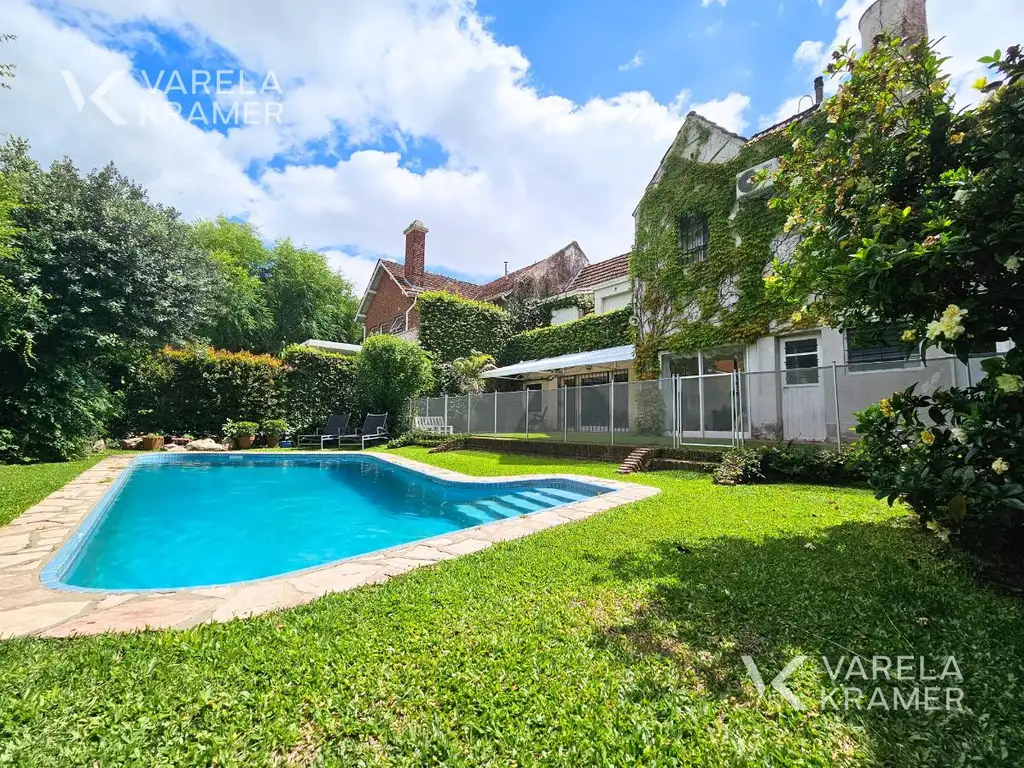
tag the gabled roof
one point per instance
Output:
(605, 271)
(431, 281)
(507, 283)
(782, 125)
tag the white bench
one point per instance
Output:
(433, 424)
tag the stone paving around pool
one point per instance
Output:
(28, 542)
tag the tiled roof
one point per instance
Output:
(602, 272)
(506, 283)
(431, 281)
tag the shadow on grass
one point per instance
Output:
(856, 589)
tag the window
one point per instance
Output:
(693, 238)
(871, 349)
(801, 361)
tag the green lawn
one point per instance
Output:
(21, 486)
(615, 641)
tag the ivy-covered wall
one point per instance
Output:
(452, 327)
(528, 314)
(611, 329)
(721, 300)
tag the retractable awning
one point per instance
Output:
(597, 357)
(333, 346)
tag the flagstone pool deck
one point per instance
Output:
(30, 541)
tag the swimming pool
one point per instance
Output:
(174, 521)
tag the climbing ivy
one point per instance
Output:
(452, 327)
(682, 306)
(610, 329)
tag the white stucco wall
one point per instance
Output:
(612, 296)
(565, 315)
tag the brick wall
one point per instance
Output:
(388, 303)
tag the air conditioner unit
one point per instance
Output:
(746, 184)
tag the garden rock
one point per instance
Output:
(175, 448)
(99, 446)
(132, 444)
(205, 444)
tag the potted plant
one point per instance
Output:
(152, 442)
(242, 433)
(274, 430)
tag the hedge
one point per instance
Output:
(452, 327)
(317, 384)
(611, 329)
(196, 390)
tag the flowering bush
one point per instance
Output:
(955, 457)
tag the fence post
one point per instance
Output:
(611, 408)
(675, 415)
(526, 401)
(835, 395)
(495, 413)
(469, 414)
(565, 413)
(446, 409)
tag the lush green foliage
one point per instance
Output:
(267, 298)
(789, 463)
(906, 206)
(911, 217)
(274, 428)
(461, 376)
(613, 641)
(236, 429)
(592, 332)
(92, 268)
(196, 389)
(423, 438)
(452, 327)
(389, 371)
(685, 306)
(962, 466)
(526, 314)
(317, 384)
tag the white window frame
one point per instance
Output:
(784, 356)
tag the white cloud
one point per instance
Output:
(706, 3)
(635, 62)
(358, 269)
(809, 52)
(727, 112)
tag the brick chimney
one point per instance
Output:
(415, 251)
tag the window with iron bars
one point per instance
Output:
(693, 238)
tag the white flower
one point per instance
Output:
(949, 325)
(1012, 264)
(905, 448)
(959, 434)
(960, 195)
(999, 466)
(1008, 382)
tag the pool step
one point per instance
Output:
(518, 503)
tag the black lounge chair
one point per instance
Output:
(375, 427)
(337, 426)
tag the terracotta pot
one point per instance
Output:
(244, 442)
(152, 443)
(273, 441)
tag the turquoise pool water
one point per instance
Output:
(182, 521)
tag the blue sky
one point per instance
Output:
(511, 127)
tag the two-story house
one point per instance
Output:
(389, 301)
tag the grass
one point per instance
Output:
(21, 486)
(615, 641)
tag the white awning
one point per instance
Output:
(597, 357)
(333, 346)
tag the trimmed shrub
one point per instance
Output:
(388, 372)
(452, 327)
(317, 383)
(423, 438)
(611, 329)
(789, 463)
(198, 389)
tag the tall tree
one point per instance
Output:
(106, 270)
